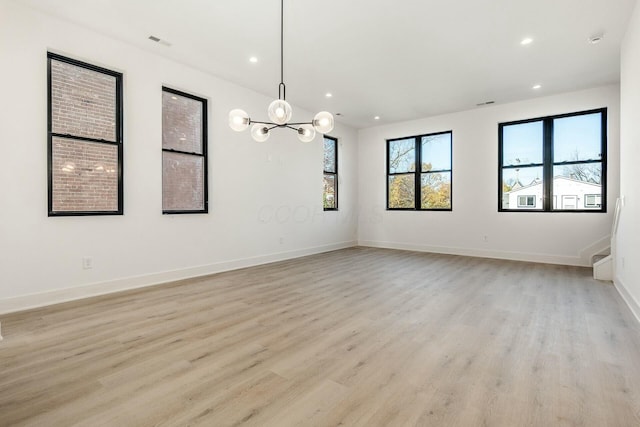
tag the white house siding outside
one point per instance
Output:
(568, 194)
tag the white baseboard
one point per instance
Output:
(25, 302)
(633, 305)
(481, 253)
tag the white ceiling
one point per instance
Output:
(400, 59)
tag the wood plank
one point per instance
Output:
(357, 337)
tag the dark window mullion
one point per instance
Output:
(603, 159)
(171, 150)
(577, 162)
(82, 138)
(547, 169)
(528, 165)
(437, 171)
(418, 174)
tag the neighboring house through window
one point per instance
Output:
(84, 138)
(559, 160)
(419, 172)
(184, 153)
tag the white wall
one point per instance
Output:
(258, 193)
(547, 237)
(628, 241)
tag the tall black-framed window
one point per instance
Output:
(184, 153)
(558, 162)
(330, 177)
(419, 172)
(84, 148)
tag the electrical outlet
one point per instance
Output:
(87, 263)
(281, 240)
(485, 238)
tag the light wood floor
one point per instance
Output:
(357, 337)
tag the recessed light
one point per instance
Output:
(376, 118)
(527, 40)
(536, 87)
(328, 95)
(253, 59)
(174, 97)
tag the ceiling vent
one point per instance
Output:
(596, 38)
(159, 40)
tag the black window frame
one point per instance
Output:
(418, 172)
(335, 174)
(204, 155)
(50, 135)
(548, 163)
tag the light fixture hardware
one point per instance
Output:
(280, 111)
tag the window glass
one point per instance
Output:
(84, 138)
(84, 176)
(577, 180)
(577, 138)
(436, 152)
(329, 194)
(436, 190)
(402, 191)
(83, 102)
(182, 182)
(330, 177)
(522, 144)
(181, 123)
(402, 156)
(329, 155)
(184, 153)
(559, 159)
(428, 188)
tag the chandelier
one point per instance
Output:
(280, 111)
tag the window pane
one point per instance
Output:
(436, 152)
(182, 182)
(577, 138)
(329, 194)
(402, 191)
(571, 184)
(436, 190)
(522, 144)
(84, 175)
(329, 155)
(83, 102)
(181, 123)
(402, 156)
(522, 182)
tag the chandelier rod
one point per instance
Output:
(282, 89)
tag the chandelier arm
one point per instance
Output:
(300, 123)
(262, 123)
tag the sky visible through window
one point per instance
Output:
(436, 150)
(575, 138)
